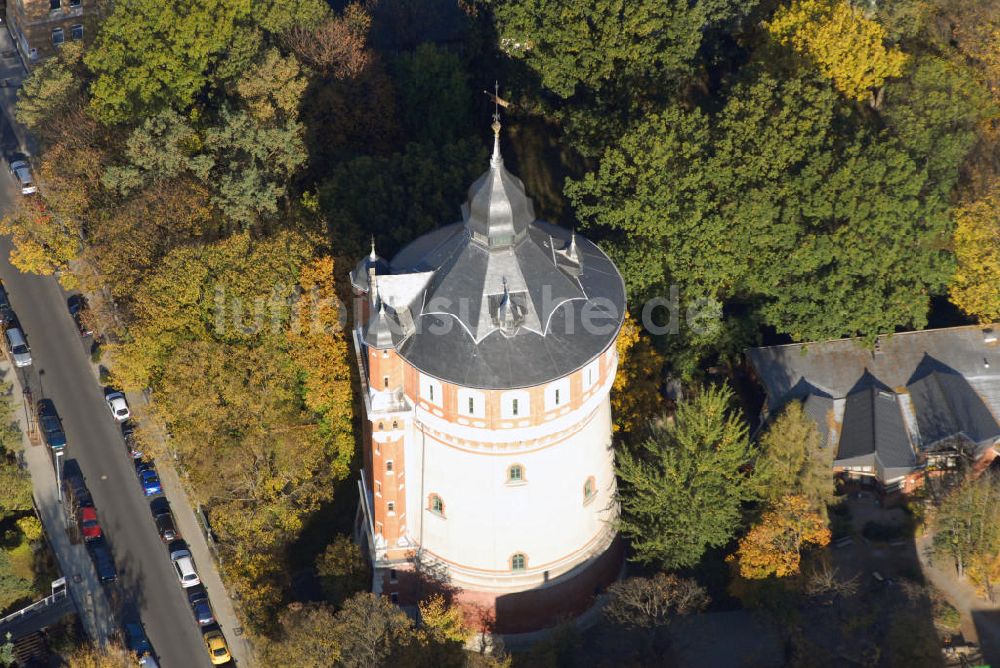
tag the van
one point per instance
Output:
(18, 347)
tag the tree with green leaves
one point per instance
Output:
(400, 197)
(682, 489)
(967, 529)
(151, 55)
(573, 45)
(51, 90)
(343, 570)
(787, 170)
(793, 461)
(434, 96)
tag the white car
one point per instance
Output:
(118, 405)
(18, 347)
(184, 565)
(21, 171)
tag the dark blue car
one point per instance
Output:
(136, 640)
(147, 478)
(51, 425)
(200, 605)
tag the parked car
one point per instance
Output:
(75, 493)
(80, 311)
(136, 640)
(118, 406)
(184, 565)
(51, 425)
(218, 650)
(104, 564)
(90, 527)
(148, 478)
(128, 435)
(201, 606)
(18, 347)
(21, 171)
(165, 526)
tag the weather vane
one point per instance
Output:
(497, 101)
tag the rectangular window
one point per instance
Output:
(388, 466)
(472, 406)
(393, 576)
(431, 388)
(513, 407)
(58, 36)
(76, 32)
(55, 5)
(378, 488)
(385, 382)
(75, 3)
(394, 597)
(557, 396)
(390, 507)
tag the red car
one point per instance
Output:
(89, 526)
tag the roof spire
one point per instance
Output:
(506, 315)
(374, 255)
(496, 160)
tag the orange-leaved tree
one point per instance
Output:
(773, 546)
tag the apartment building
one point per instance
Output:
(40, 27)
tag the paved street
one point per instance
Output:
(63, 371)
(74, 560)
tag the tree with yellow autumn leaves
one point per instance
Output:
(773, 546)
(636, 396)
(976, 286)
(844, 44)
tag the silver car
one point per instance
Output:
(21, 171)
(18, 347)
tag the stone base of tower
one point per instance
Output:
(520, 612)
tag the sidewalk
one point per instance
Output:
(191, 531)
(962, 594)
(96, 613)
(12, 73)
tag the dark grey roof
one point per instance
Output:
(820, 408)
(873, 428)
(946, 405)
(444, 299)
(835, 366)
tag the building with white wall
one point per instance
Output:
(487, 354)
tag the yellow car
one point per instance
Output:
(218, 651)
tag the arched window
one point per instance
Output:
(388, 466)
(589, 489)
(436, 505)
(518, 562)
(515, 473)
